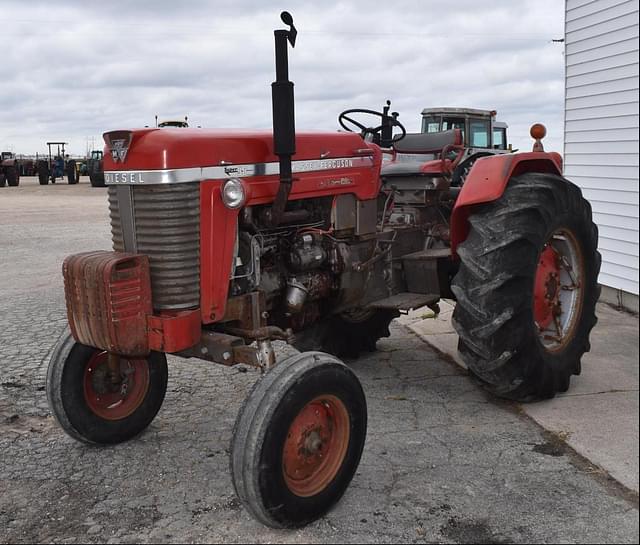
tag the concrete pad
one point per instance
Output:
(601, 427)
(434, 324)
(598, 416)
(446, 343)
(437, 330)
(612, 363)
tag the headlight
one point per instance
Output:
(233, 193)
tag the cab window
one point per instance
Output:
(430, 124)
(479, 133)
(449, 123)
(499, 138)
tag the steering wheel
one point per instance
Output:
(374, 131)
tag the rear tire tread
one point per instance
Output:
(493, 287)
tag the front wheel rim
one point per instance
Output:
(115, 400)
(316, 446)
(558, 290)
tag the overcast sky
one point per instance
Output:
(72, 69)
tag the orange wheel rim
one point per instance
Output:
(115, 400)
(558, 290)
(316, 445)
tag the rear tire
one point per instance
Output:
(97, 179)
(88, 407)
(3, 180)
(298, 440)
(71, 172)
(461, 172)
(502, 282)
(43, 173)
(346, 335)
(13, 176)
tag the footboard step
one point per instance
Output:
(406, 301)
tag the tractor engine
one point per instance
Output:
(306, 270)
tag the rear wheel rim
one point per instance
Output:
(115, 400)
(316, 446)
(558, 290)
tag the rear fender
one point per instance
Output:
(487, 180)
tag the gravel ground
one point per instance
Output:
(443, 461)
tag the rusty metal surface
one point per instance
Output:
(108, 296)
(215, 347)
(248, 355)
(247, 310)
(261, 333)
(174, 331)
(224, 349)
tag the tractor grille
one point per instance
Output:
(162, 222)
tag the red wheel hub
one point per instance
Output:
(316, 445)
(115, 398)
(547, 287)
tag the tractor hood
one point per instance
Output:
(168, 149)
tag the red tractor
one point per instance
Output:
(225, 241)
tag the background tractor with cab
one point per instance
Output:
(224, 242)
(95, 168)
(482, 134)
(175, 123)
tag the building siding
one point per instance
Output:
(601, 127)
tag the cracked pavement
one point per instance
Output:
(443, 462)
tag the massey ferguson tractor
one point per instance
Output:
(225, 241)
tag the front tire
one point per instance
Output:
(527, 288)
(298, 440)
(89, 406)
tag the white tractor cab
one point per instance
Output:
(479, 127)
(174, 124)
(482, 134)
(171, 123)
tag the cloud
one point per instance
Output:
(74, 72)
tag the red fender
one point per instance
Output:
(487, 180)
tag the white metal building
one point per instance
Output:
(601, 131)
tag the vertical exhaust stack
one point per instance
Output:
(284, 129)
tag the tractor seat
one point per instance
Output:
(437, 143)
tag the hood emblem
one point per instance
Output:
(119, 150)
(118, 143)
